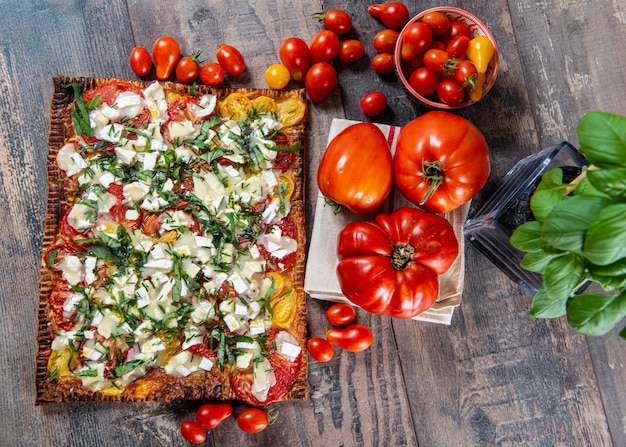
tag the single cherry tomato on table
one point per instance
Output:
(351, 50)
(373, 103)
(253, 420)
(320, 81)
(424, 81)
(393, 15)
(340, 314)
(140, 61)
(211, 73)
(210, 416)
(417, 38)
(441, 161)
(353, 338)
(320, 349)
(230, 59)
(450, 92)
(335, 20)
(356, 169)
(390, 265)
(294, 53)
(324, 46)
(385, 40)
(192, 432)
(458, 47)
(165, 53)
(437, 21)
(277, 76)
(187, 69)
(383, 63)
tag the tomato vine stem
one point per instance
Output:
(431, 171)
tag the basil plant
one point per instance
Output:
(579, 234)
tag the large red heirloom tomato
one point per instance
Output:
(389, 266)
(356, 170)
(441, 161)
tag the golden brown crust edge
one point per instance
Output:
(157, 386)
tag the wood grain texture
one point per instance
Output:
(494, 377)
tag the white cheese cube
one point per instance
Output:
(149, 160)
(243, 360)
(232, 322)
(70, 161)
(206, 364)
(181, 129)
(113, 134)
(108, 324)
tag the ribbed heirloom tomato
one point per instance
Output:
(356, 169)
(441, 161)
(389, 266)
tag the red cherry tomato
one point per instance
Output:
(392, 14)
(324, 46)
(438, 22)
(351, 50)
(417, 37)
(253, 420)
(187, 69)
(230, 59)
(466, 74)
(450, 92)
(385, 40)
(320, 81)
(354, 338)
(335, 20)
(294, 53)
(340, 314)
(373, 103)
(140, 61)
(383, 63)
(424, 81)
(192, 432)
(320, 349)
(210, 416)
(212, 73)
(438, 60)
(456, 29)
(165, 53)
(458, 47)
(438, 45)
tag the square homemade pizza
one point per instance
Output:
(173, 249)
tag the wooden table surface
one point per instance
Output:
(495, 376)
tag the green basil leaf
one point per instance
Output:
(549, 194)
(536, 261)
(526, 236)
(602, 138)
(605, 242)
(562, 276)
(545, 306)
(609, 181)
(595, 314)
(565, 226)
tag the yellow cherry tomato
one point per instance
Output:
(277, 76)
(290, 111)
(236, 106)
(284, 308)
(477, 92)
(480, 52)
(264, 104)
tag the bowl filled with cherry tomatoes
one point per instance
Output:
(446, 58)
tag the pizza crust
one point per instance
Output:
(156, 385)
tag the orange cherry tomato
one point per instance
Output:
(165, 53)
(212, 73)
(140, 61)
(187, 69)
(253, 420)
(385, 40)
(351, 50)
(383, 63)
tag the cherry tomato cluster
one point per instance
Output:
(441, 57)
(346, 334)
(168, 60)
(209, 416)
